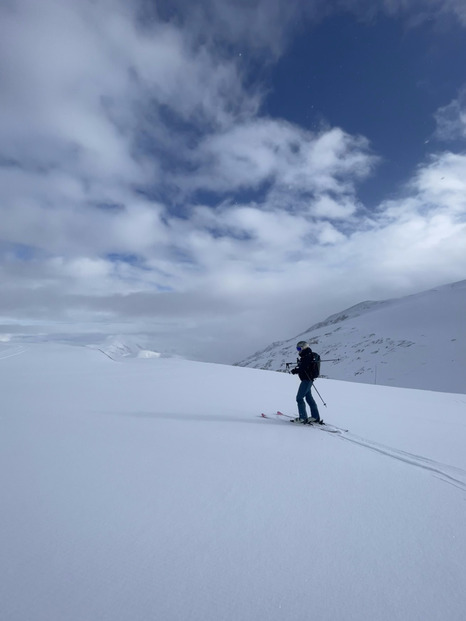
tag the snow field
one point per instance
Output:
(151, 489)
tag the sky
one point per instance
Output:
(210, 177)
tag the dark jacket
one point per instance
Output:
(304, 367)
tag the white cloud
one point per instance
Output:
(442, 183)
(284, 155)
(425, 9)
(451, 119)
(83, 83)
(414, 12)
(327, 207)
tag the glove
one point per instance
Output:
(294, 371)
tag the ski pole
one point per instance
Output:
(289, 364)
(314, 386)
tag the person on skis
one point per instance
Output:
(305, 371)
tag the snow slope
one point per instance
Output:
(151, 489)
(413, 342)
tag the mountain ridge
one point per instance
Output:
(415, 341)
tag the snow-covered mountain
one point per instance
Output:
(416, 341)
(118, 347)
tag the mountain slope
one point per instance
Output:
(414, 342)
(126, 497)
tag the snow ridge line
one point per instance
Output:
(418, 461)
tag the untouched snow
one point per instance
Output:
(411, 342)
(150, 489)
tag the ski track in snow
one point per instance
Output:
(9, 353)
(448, 474)
(445, 472)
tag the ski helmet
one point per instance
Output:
(302, 345)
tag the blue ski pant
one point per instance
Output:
(304, 393)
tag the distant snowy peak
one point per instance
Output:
(147, 353)
(118, 348)
(415, 341)
(349, 313)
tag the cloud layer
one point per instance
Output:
(142, 189)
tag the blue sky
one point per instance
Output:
(381, 78)
(212, 176)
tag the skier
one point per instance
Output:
(305, 370)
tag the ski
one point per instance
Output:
(286, 418)
(322, 424)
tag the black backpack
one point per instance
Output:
(314, 367)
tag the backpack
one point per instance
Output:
(314, 367)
